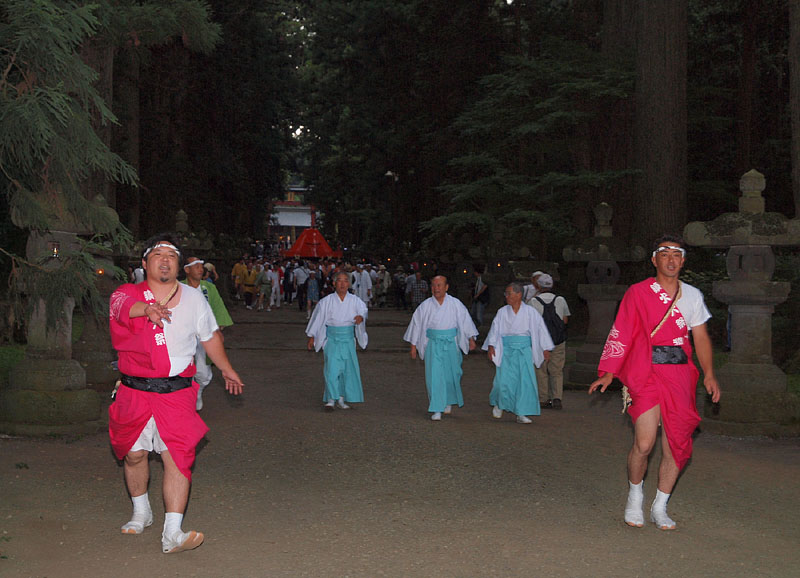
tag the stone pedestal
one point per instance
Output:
(47, 391)
(753, 387)
(602, 254)
(601, 301)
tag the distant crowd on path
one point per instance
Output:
(264, 284)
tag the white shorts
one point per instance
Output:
(149, 439)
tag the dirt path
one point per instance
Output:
(283, 489)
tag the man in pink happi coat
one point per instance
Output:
(155, 326)
(649, 350)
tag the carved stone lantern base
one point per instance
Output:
(49, 397)
(601, 301)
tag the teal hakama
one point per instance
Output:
(342, 372)
(514, 388)
(443, 369)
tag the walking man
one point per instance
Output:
(194, 278)
(362, 284)
(417, 288)
(648, 349)
(440, 331)
(518, 341)
(480, 297)
(555, 312)
(331, 329)
(154, 327)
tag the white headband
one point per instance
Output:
(161, 244)
(670, 248)
(195, 262)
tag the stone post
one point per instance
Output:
(602, 293)
(754, 388)
(47, 390)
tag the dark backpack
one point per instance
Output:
(555, 325)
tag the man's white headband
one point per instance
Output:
(670, 248)
(156, 246)
(195, 262)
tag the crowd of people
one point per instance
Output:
(162, 350)
(263, 284)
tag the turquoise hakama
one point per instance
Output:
(342, 372)
(443, 369)
(514, 388)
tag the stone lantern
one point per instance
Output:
(754, 388)
(602, 253)
(47, 391)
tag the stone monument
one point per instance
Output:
(602, 253)
(47, 391)
(754, 388)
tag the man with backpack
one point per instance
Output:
(555, 312)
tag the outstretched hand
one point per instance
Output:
(712, 387)
(602, 383)
(233, 383)
(157, 314)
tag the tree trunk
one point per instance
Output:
(619, 44)
(127, 94)
(794, 73)
(619, 28)
(660, 129)
(747, 89)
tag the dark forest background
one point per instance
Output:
(443, 124)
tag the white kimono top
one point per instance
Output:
(339, 313)
(430, 315)
(526, 321)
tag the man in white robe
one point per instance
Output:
(331, 329)
(518, 341)
(362, 284)
(441, 329)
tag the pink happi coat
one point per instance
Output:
(628, 354)
(142, 350)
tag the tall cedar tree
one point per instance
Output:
(49, 108)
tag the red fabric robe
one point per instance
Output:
(142, 351)
(628, 354)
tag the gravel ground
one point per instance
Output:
(281, 488)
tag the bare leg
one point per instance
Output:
(644, 439)
(137, 476)
(137, 472)
(668, 470)
(176, 495)
(175, 486)
(667, 476)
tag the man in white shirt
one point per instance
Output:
(300, 278)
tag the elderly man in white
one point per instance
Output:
(331, 328)
(441, 329)
(517, 342)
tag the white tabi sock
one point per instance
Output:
(658, 512)
(142, 515)
(633, 507)
(172, 524)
